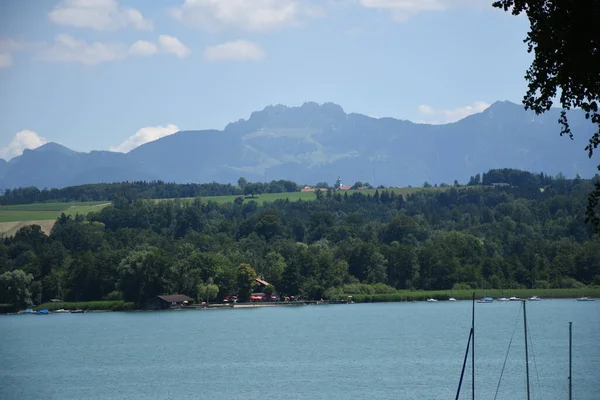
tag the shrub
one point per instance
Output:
(461, 286)
(114, 296)
(570, 283)
(541, 284)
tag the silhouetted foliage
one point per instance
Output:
(565, 42)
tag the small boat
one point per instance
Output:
(514, 299)
(486, 300)
(61, 311)
(534, 298)
(432, 300)
(451, 299)
(78, 312)
(29, 311)
(503, 299)
(585, 299)
(43, 312)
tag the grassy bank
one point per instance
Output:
(406, 295)
(118, 305)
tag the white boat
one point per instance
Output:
(61, 311)
(514, 299)
(431, 300)
(585, 299)
(451, 299)
(503, 299)
(534, 298)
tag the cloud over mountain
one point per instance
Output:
(24, 139)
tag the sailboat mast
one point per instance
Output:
(570, 364)
(526, 348)
(473, 349)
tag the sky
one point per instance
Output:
(112, 75)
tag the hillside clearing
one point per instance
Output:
(13, 218)
(10, 228)
(306, 196)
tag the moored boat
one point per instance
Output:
(534, 298)
(585, 299)
(486, 300)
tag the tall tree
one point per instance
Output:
(246, 278)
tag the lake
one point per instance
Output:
(357, 351)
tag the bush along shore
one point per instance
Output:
(118, 305)
(406, 295)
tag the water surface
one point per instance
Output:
(359, 351)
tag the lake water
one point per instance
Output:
(359, 351)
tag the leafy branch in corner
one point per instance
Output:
(565, 41)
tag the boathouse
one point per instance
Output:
(165, 302)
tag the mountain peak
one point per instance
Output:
(308, 115)
(54, 147)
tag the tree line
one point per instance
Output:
(165, 190)
(469, 237)
(142, 190)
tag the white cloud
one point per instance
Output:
(68, 49)
(145, 135)
(404, 9)
(24, 139)
(246, 15)
(443, 116)
(170, 44)
(101, 15)
(143, 48)
(6, 60)
(237, 50)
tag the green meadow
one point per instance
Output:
(47, 211)
(304, 196)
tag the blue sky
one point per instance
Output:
(108, 74)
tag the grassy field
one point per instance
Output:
(406, 295)
(13, 218)
(44, 211)
(304, 196)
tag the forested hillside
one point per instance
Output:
(518, 235)
(141, 190)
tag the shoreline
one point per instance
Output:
(292, 304)
(396, 297)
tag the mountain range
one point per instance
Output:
(314, 143)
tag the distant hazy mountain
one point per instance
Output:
(314, 143)
(55, 166)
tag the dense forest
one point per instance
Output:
(530, 233)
